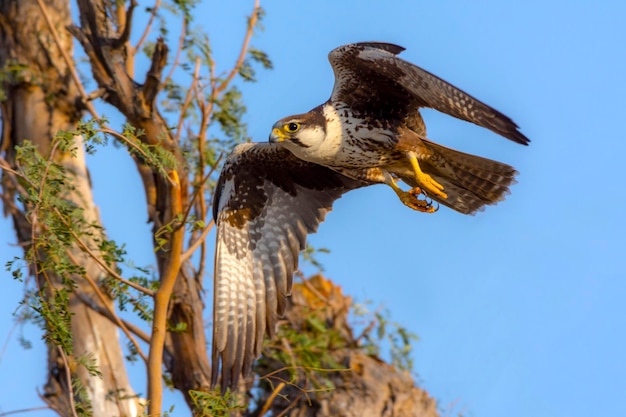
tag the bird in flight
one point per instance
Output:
(271, 195)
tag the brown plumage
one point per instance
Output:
(370, 131)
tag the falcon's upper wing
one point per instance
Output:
(266, 202)
(372, 80)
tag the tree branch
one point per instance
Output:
(108, 269)
(118, 322)
(153, 78)
(187, 102)
(148, 28)
(179, 50)
(162, 299)
(68, 377)
(244, 48)
(105, 312)
(187, 254)
(124, 35)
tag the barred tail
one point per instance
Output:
(471, 182)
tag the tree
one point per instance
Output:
(181, 118)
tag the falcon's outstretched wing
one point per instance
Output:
(373, 81)
(266, 203)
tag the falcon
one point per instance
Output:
(271, 195)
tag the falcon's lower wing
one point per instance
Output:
(266, 203)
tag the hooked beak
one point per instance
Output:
(277, 136)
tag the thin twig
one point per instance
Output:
(366, 331)
(25, 410)
(148, 28)
(108, 269)
(125, 140)
(105, 313)
(35, 215)
(201, 239)
(179, 50)
(216, 90)
(270, 399)
(244, 48)
(187, 254)
(6, 167)
(314, 290)
(308, 368)
(204, 179)
(187, 102)
(68, 375)
(103, 299)
(8, 339)
(293, 403)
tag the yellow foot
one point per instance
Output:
(411, 199)
(426, 181)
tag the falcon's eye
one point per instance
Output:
(292, 127)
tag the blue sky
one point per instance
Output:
(519, 309)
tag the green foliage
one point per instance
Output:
(58, 222)
(260, 57)
(383, 336)
(11, 72)
(91, 133)
(186, 6)
(82, 404)
(55, 312)
(125, 295)
(15, 267)
(247, 72)
(158, 157)
(212, 404)
(58, 225)
(306, 356)
(62, 237)
(260, 15)
(228, 114)
(305, 353)
(309, 255)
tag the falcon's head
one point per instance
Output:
(303, 134)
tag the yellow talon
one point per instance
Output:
(426, 181)
(411, 199)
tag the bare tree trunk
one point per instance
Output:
(42, 100)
